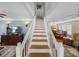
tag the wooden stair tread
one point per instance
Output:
(39, 55)
(39, 26)
(39, 47)
(39, 35)
(34, 40)
(39, 29)
(39, 32)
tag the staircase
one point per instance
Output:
(39, 44)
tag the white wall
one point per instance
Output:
(2, 28)
(40, 12)
(19, 23)
(78, 26)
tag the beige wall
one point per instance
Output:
(74, 27)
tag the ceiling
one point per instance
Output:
(61, 10)
(54, 11)
(17, 10)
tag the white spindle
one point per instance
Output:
(0, 38)
(60, 50)
(18, 50)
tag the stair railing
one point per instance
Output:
(48, 36)
(22, 48)
(57, 48)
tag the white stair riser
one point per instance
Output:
(38, 38)
(39, 33)
(39, 43)
(40, 27)
(40, 30)
(38, 50)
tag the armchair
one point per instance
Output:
(76, 40)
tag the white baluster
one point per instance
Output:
(0, 38)
(18, 50)
(60, 50)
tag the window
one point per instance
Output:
(66, 27)
(69, 29)
(60, 27)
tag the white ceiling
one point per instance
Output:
(19, 10)
(54, 11)
(61, 10)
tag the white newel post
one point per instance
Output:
(18, 50)
(60, 50)
(0, 38)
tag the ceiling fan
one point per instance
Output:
(2, 15)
